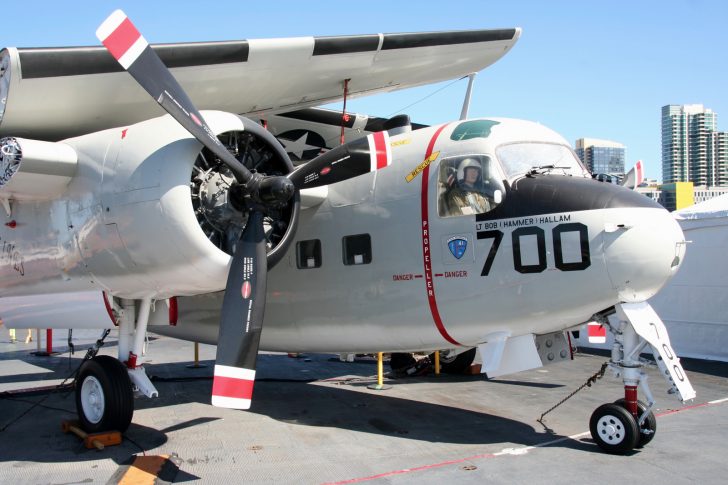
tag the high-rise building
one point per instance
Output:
(601, 156)
(693, 150)
(718, 150)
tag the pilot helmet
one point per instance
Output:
(469, 163)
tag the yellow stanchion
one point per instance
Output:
(380, 386)
(196, 364)
(380, 369)
(437, 362)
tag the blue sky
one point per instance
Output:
(586, 69)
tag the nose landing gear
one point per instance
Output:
(628, 423)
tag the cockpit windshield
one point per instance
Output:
(538, 158)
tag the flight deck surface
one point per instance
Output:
(314, 420)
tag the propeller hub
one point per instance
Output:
(275, 190)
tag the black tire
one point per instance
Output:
(104, 397)
(614, 429)
(400, 361)
(648, 428)
(456, 365)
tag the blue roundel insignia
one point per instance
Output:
(457, 246)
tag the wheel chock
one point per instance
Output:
(473, 370)
(95, 440)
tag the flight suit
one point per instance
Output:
(461, 201)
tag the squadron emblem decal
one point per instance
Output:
(457, 246)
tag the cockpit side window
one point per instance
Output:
(468, 184)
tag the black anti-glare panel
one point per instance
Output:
(552, 194)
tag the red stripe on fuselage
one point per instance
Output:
(121, 39)
(381, 149)
(232, 387)
(427, 261)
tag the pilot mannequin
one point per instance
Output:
(464, 197)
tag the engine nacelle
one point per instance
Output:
(146, 213)
(35, 170)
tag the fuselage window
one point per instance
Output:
(357, 249)
(308, 254)
(468, 185)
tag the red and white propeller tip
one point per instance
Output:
(121, 38)
(232, 387)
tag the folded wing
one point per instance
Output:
(56, 93)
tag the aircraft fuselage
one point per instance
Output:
(378, 264)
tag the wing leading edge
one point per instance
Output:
(55, 93)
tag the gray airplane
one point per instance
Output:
(479, 233)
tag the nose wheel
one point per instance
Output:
(614, 429)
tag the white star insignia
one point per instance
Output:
(297, 147)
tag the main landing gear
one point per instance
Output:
(628, 423)
(105, 386)
(104, 398)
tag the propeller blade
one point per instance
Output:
(132, 51)
(355, 158)
(241, 319)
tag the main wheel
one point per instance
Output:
(457, 364)
(614, 429)
(104, 397)
(648, 428)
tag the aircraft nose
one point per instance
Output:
(642, 252)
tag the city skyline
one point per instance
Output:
(693, 148)
(601, 70)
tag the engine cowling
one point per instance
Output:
(170, 201)
(147, 213)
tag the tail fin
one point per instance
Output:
(634, 177)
